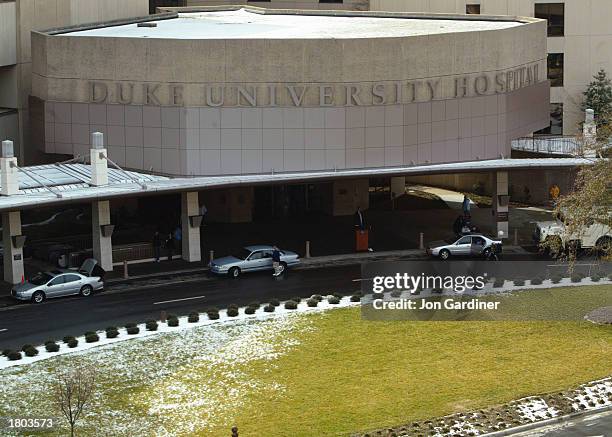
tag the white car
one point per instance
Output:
(596, 236)
(474, 245)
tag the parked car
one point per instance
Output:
(597, 236)
(250, 259)
(474, 245)
(57, 283)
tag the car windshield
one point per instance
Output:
(41, 278)
(242, 253)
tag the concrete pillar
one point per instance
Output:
(13, 248)
(398, 186)
(11, 221)
(190, 223)
(500, 203)
(102, 232)
(99, 164)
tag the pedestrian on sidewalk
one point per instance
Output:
(276, 265)
(157, 243)
(466, 205)
(178, 236)
(360, 222)
(170, 246)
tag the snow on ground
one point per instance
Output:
(163, 373)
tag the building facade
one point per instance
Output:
(247, 91)
(17, 19)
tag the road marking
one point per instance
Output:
(178, 300)
(3, 330)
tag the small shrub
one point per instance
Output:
(312, 302)
(595, 277)
(92, 337)
(291, 305)
(13, 355)
(555, 279)
(232, 305)
(269, 308)
(519, 282)
(67, 338)
(193, 317)
(577, 277)
(112, 332)
(356, 298)
(275, 302)
(537, 281)
(151, 325)
(212, 309)
(31, 351)
(26, 346)
(49, 341)
(394, 293)
(498, 283)
(250, 310)
(437, 290)
(254, 305)
(130, 325)
(133, 330)
(73, 343)
(338, 294)
(5, 352)
(212, 315)
(52, 347)
(317, 297)
(334, 300)
(610, 277)
(232, 312)
(172, 321)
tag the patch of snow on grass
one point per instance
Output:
(535, 409)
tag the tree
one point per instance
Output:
(589, 201)
(72, 392)
(598, 97)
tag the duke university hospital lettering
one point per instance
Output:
(311, 94)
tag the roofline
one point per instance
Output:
(167, 13)
(202, 183)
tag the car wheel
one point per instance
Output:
(86, 290)
(444, 254)
(486, 252)
(234, 272)
(38, 297)
(604, 246)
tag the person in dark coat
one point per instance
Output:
(276, 265)
(157, 244)
(170, 246)
(360, 222)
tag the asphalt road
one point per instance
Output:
(596, 425)
(53, 319)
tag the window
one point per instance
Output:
(555, 69)
(555, 14)
(71, 278)
(472, 9)
(478, 241)
(57, 280)
(465, 240)
(556, 121)
(256, 255)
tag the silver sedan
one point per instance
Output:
(251, 259)
(474, 245)
(59, 283)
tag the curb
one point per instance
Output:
(534, 425)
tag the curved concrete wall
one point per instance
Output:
(182, 106)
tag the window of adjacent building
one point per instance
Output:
(556, 121)
(472, 9)
(555, 69)
(555, 14)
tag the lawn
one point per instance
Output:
(327, 374)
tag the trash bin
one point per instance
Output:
(361, 240)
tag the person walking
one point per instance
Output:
(276, 265)
(170, 246)
(466, 205)
(157, 243)
(360, 222)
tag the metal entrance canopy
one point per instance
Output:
(69, 183)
